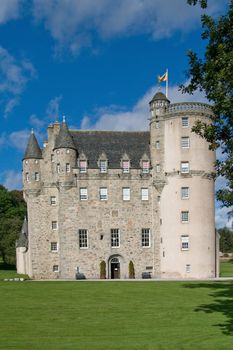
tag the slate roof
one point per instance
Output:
(114, 144)
(23, 236)
(33, 150)
(64, 139)
(159, 96)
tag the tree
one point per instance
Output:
(131, 270)
(226, 240)
(12, 212)
(102, 269)
(213, 75)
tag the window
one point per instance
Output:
(125, 166)
(53, 200)
(83, 193)
(83, 243)
(185, 122)
(188, 268)
(103, 166)
(103, 194)
(184, 242)
(55, 268)
(157, 145)
(184, 192)
(82, 166)
(144, 194)
(52, 158)
(145, 237)
(37, 177)
(54, 247)
(67, 168)
(185, 216)
(58, 168)
(157, 168)
(54, 225)
(27, 177)
(145, 166)
(185, 142)
(184, 167)
(157, 125)
(126, 193)
(115, 238)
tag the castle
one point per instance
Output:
(111, 198)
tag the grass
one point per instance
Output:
(114, 315)
(226, 268)
(8, 271)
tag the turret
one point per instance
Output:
(65, 154)
(31, 164)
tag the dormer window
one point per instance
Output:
(82, 166)
(125, 166)
(145, 166)
(103, 166)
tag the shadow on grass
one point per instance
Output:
(8, 267)
(223, 302)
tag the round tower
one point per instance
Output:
(65, 154)
(31, 165)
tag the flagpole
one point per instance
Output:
(167, 84)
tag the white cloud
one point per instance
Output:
(11, 179)
(19, 139)
(116, 118)
(9, 9)
(14, 75)
(53, 108)
(222, 219)
(72, 23)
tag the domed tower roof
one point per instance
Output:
(64, 138)
(33, 150)
(159, 96)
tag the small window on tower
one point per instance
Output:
(58, 168)
(185, 122)
(157, 145)
(27, 177)
(68, 167)
(37, 176)
(157, 168)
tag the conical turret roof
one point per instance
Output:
(64, 138)
(33, 150)
(159, 96)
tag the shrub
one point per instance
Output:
(103, 270)
(131, 270)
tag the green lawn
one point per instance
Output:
(115, 315)
(226, 269)
(8, 271)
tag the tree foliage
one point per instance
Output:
(131, 270)
(102, 269)
(226, 240)
(212, 74)
(12, 212)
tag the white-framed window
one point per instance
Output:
(103, 166)
(83, 193)
(145, 166)
(184, 242)
(158, 168)
(126, 193)
(53, 200)
(184, 167)
(54, 225)
(185, 216)
(188, 268)
(157, 145)
(125, 166)
(54, 247)
(82, 166)
(185, 122)
(184, 192)
(37, 177)
(27, 177)
(115, 238)
(145, 237)
(103, 193)
(83, 239)
(185, 142)
(67, 167)
(55, 268)
(144, 194)
(157, 124)
(58, 168)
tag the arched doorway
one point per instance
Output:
(114, 267)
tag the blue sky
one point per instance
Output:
(94, 61)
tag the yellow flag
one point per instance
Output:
(163, 77)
